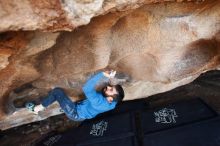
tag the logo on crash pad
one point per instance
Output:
(165, 116)
(99, 128)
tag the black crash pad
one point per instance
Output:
(205, 133)
(135, 126)
(176, 114)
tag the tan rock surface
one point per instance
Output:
(54, 15)
(155, 48)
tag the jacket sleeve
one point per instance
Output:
(89, 87)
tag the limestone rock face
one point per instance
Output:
(154, 48)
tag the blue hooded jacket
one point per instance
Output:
(95, 102)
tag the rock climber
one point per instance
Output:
(96, 102)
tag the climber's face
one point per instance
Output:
(109, 92)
